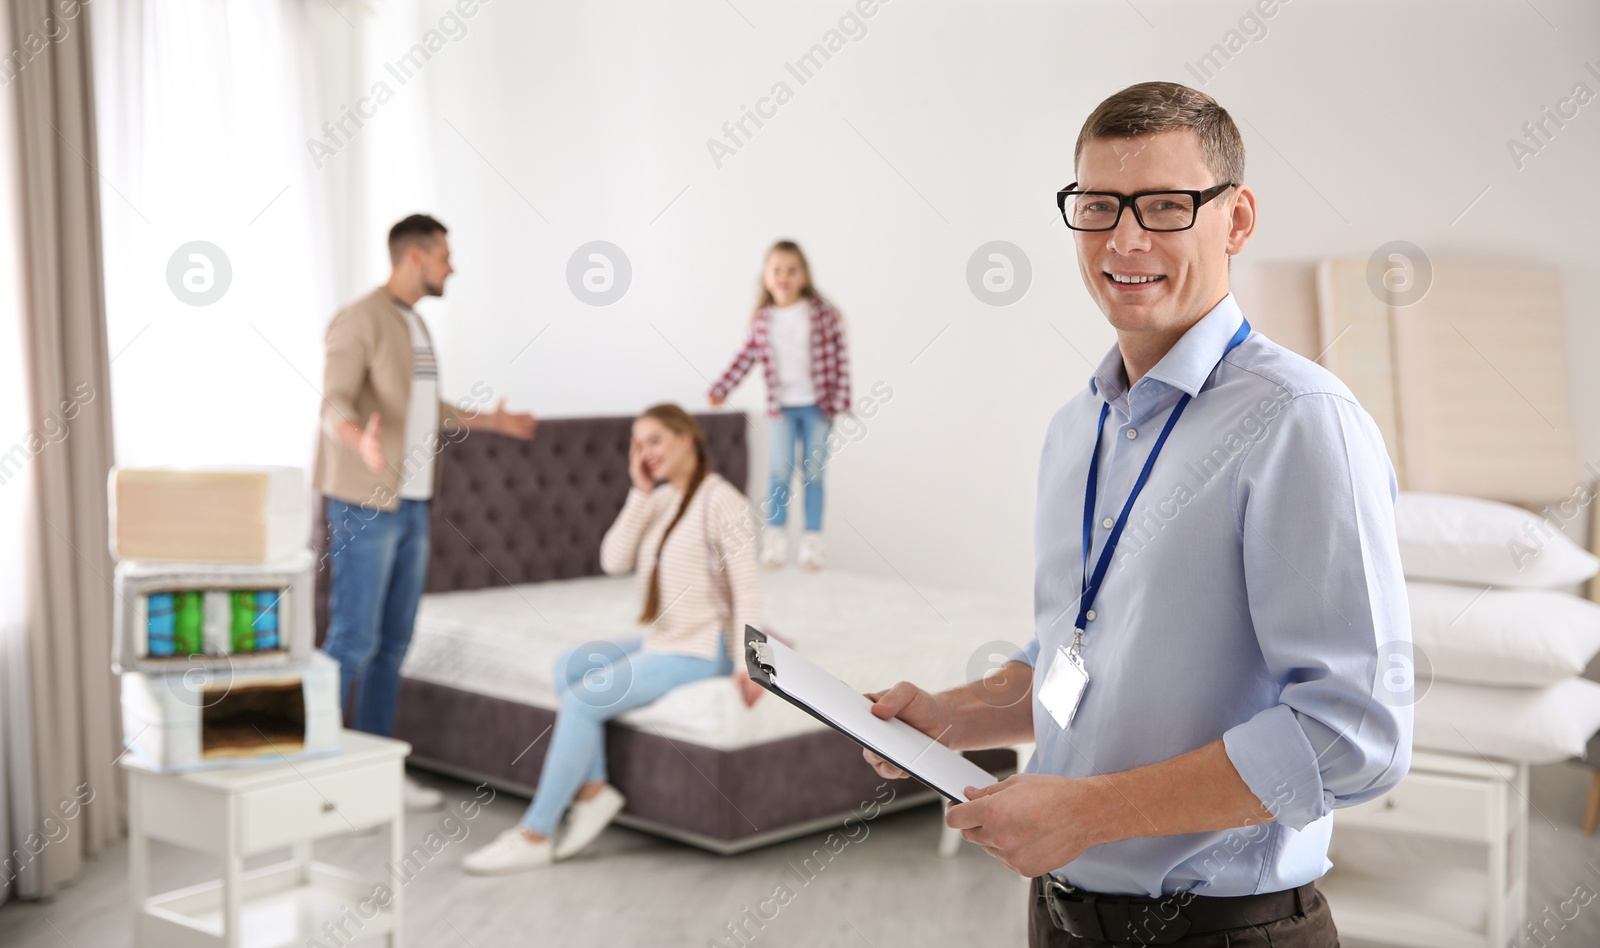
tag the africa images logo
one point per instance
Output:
(199, 273)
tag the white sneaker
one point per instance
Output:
(421, 799)
(774, 548)
(810, 556)
(587, 819)
(510, 852)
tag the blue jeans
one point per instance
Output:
(596, 682)
(379, 564)
(805, 427)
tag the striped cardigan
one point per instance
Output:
(830, 362)
(709, 585)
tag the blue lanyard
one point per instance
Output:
(1091, 584)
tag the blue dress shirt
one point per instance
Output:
(1256, 596)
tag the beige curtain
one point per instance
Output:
(76, 722)
(18, 814)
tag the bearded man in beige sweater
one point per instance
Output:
(382, 431)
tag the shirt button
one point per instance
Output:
(1108, 523)
(1133, 433)
(1089, 615)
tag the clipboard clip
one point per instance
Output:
(762, 653)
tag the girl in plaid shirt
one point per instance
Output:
(799, 339)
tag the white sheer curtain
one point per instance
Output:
(203, 121)
(18, 808)
(386, 171)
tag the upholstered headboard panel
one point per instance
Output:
(510, 511)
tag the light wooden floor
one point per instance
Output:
(633, 889)
(628, 889)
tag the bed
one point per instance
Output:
(514, 578)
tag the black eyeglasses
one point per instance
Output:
(1157, 211)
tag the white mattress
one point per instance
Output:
(870, 631)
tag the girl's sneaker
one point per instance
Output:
(774, 548)
(510, 852)
(810, 556)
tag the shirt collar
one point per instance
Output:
(1110, 377)
(1187, 365)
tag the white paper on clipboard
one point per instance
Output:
(796, 679)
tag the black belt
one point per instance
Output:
(1145, 921)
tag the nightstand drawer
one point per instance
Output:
(1434, 805)
(319, 805)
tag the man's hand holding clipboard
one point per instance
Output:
(914, 706)
(906, 749)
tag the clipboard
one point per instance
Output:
(784, 672)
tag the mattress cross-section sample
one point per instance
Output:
(236, 515)
(173, 615)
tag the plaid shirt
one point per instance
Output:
(830, 363)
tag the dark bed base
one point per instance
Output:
(511, 511)
(724, 801)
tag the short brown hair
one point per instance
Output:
(1150, 107)
(417, 229)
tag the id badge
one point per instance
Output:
(1064, 685)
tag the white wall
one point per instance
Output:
(945, 126)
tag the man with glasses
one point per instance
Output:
(1219, 606)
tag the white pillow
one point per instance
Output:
(1535, 725)
(1502, 636)
(1467, 540)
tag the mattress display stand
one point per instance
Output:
(237, 812)
(1423, 902)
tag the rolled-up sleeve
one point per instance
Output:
(1315, 500)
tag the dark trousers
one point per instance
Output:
(1311, 929)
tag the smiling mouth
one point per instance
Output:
(1129, 279)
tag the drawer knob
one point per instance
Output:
(328, 807)
(1390, 803)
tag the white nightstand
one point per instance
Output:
(1418, 901)
(237, 812)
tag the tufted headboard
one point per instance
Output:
(508, 511)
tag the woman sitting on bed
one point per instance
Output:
(691, 540)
